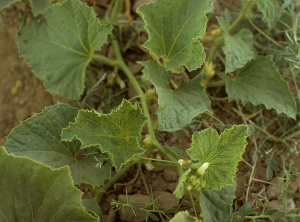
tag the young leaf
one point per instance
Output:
(6, 3)
(174, 27)
(176, 108)
(31, 191)
(60, 46)
(222, 153)
(180, 186)
(38, 138)
(238, 48)
(216, 204)
(270, 10)
(260, 83)
(117, 133)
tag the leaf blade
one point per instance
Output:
(117, 133)
(172, 33)
(270, 10)
(176, 108)
(38, 138)
(260, 83)
(221, 152)
(216, 204)
(238, 48)
(68, 46)
(30, 189)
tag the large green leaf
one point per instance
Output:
(174, 27)
(60, 46)
(117, 133)
(270, 10)
(176, 108)
(238, 48)
(260, 83)
(31, 191)
(38, 138)
(222, 153)
(216, 204)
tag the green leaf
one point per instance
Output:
(117, 133)
(40, 6)
(31, 191)
(238, 48)
(221, 152)
(260, 83)
(270, 10)
(216, 204)
(59, 47)
(38, 138)
(181, 183)
(176, 108)
(184, 216)
(6, 3)
(92, 206)
(174, 27)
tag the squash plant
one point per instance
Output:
(39, 162)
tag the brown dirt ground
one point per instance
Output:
(22, 95)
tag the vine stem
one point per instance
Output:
(264, 34)
(122, 65)
(100, 191)
(119, 62)
(241, 15)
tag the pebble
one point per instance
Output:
(136, 199)
(166, 200)
(170, 175)
(275, 188)
(172, 186)
(159, 184)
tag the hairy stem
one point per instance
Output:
(122, 65)
(100, 191)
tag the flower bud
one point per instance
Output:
(201, 170)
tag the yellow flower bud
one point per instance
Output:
(216, 31)
(201, 170)
(147, 140)
(209, 70)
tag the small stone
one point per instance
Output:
(128, 189)
(275, 188)
(278, 204)
(295, 184)
(111, 196)
(166, 200)
(186, 203)
(170, 175)
(159, 184)
(172, 186)
(111, 216)
(136, 199)
(138, 183)
(135, 68)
